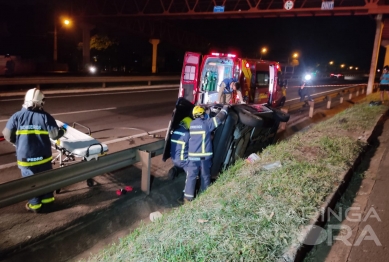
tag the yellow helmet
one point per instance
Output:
(198, 111)
(186, 122)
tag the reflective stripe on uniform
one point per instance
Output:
(34, 207)
(214, 121)
(203, 139)
(36, 163)
(32, 132)
(47, 200)
(182, 143)
(200, 154)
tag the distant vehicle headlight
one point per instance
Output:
(92, 69)
(308, 77)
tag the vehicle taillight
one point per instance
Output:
(278, 66)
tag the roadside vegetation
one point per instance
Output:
(254, 214)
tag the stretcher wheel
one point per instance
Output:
(58, 191)
(90, 182)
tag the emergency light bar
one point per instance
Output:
(222, 54)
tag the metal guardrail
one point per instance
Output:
(328, 97)
(25, 188)
(84, 79)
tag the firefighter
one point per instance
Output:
(200, 149)
(30, 130)
(225, 90)
(179, 149)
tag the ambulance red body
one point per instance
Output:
(261, 81)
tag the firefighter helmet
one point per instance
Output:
(34, 97)
(198, 111)
(186, 122)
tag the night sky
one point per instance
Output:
(318, 40)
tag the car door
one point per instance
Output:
(190, 77)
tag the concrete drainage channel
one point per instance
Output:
(113, 219)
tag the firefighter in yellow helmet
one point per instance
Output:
(30, 130)
(200, 150)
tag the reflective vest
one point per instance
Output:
(200, 142)
(227, 82)
(179, 146)
(33, 146)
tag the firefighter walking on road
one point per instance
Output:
(200, 149)
(30, 130)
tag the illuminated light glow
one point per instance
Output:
(247, 65)
(92, 69)
(216, 54)
(231, 55)
(308, 77)
(278, 66)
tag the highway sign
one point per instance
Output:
(218, 9)
(288, 5)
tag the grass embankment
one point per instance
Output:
(251, 214)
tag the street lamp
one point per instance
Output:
(263, 51)
(66, 22)
(342, 65)
(331, 62)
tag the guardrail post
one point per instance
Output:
(283, 124)
(341, 98)
(311, 108)
(363, 90)
(104, 85)
(357, 92)
(350, 95)
(38, 86)
(145, 159)
(149, 83)
(329, 102)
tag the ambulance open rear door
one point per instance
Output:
(189, 77)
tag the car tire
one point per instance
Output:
(282, 102)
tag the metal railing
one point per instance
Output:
(328, 97)
(25, 188)
(37, 81)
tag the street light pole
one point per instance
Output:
(55, 54)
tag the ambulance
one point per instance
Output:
(261, 81)
(249, 126)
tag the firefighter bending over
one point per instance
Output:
(30, 130)
(225, 90)
(200, 149)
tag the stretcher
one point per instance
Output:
(75, 145)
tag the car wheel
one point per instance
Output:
(282, 102)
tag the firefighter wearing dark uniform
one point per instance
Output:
(30, 130)
(225, 90)
(179, 144)
(200, 150)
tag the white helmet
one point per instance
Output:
(34, 98)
